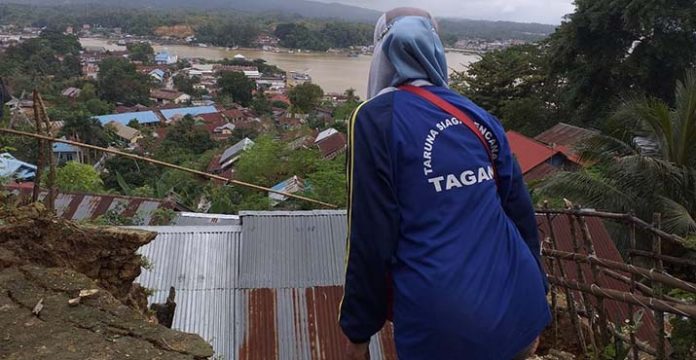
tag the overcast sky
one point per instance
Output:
(543, 11)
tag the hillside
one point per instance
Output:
(302, 8)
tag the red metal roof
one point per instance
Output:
(605, 248)
(529, 152)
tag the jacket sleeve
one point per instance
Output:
(372, 223)
(517, 202)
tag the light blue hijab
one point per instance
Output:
(407, 48)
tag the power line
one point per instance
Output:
(165, 164)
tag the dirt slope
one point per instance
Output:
(47, 260)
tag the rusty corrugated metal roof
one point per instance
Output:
(268, 289)
(605, 248)
(76, 206)
(565, 134)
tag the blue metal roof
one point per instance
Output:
(157, 72)
(162, 56)
(169, 114)
(17, 169)
(64, 148)
(143, 117)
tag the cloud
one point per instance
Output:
(543, 11)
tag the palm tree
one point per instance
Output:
(646, 165)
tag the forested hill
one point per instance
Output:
(302, 8)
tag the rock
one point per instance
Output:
(100, 327)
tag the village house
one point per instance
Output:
(273, 83)
(158, 75)
(292, 185)
(167, 96)
(71, 93)
(566, 135)
(65, 152)
(232, 153)
(165, 58)
(175, 114)
(331, 143)
(217, 126)
(538, 160)
(12, 168)
(144, 118)
(126, 133)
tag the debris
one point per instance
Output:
(165, 312)
(88, 293)
(38, 307)
(75, 301)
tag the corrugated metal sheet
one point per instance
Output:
(302, 249)
(201, 263)
(76, 206)
(198, 219)
(565, 134)
(605, 248)
(223, 295)
(192, 258)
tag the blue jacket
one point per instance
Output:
(425, 212)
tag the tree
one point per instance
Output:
(261, 104)
(184, 83)
(327, 182)
(141, 51)
(77, 177)
(236, 85)
(186, 137)
(630, 176)
(305, 97)
(262, 164)
(514, 85)
(81, 127)
(608, 48)
(119, 82)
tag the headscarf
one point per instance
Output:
(407, 48)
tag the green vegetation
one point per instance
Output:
(514, 85)
(237, 86)
(41, 61)
(77, 177)
(325, 36)
(305, 97)
(118, 81)
(627, 176)
(141, 51)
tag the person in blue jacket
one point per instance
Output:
(441, 228)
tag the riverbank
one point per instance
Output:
(333, 72)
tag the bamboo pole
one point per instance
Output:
(587, 239)
(568, 294)
(618, 217)
(657, 265)
(645, 289)
(168, 165)
(48, 151)
(633, 283)
(585, 300)
(643, 301)
(614, 265)
(40, 145)
(671, 259)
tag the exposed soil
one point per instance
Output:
(176, 31)
(47, 260)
